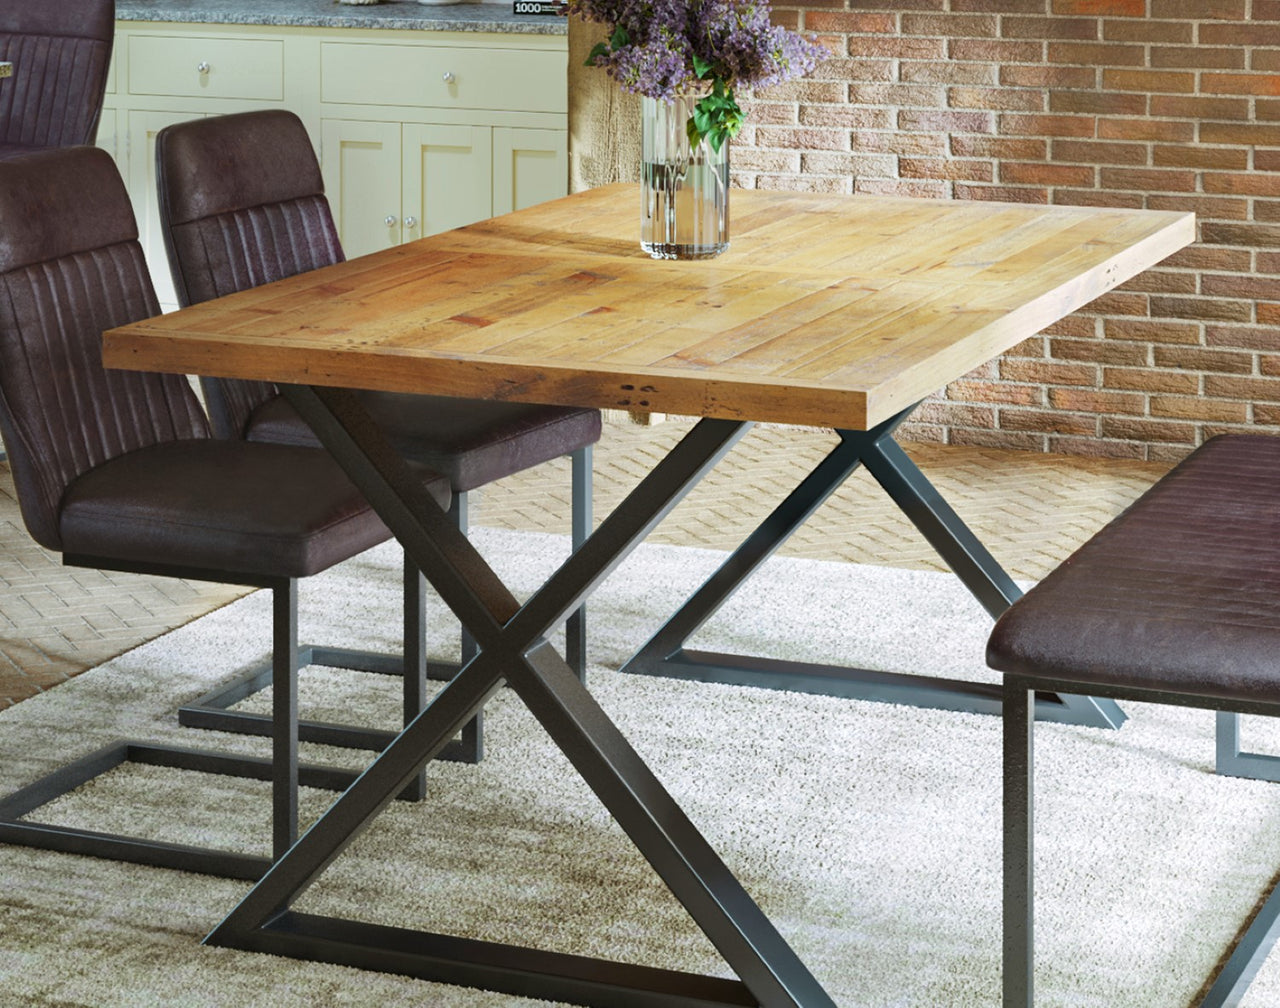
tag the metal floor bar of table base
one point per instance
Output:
(1231, 980)
(513, 649)
(665, 653)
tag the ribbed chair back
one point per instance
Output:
(61, 285)
(61, 54)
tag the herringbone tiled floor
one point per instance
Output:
(1030, 510)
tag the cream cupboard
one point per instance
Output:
(418, 132)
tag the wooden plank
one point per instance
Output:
(826, 309)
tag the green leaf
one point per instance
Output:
(598, 50)
(619, 38)
(701, 67)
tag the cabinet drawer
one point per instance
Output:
(516, 80)
(207, 67)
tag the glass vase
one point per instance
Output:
(684, 191)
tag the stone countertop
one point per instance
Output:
(398, 14)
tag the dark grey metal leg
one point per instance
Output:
(511, 639)
(1232, 761)
(575, 631)
(665, 653)
(1019, 847)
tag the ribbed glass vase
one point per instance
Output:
(684, 191)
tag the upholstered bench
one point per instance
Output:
(1176, 601)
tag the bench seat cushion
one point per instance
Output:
(1181, 592)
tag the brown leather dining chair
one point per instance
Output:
(61, 54)
(242, 203)
(119, 470)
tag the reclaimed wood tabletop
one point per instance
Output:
(826, 310)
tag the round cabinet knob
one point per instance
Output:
(411, 222)
(202, 67)
(448, 77)
(389, 220)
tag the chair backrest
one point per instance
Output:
(61, 53)
(241, 204)
(70, 268)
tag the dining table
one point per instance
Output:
(827, 310)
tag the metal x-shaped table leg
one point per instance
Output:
(514, 650)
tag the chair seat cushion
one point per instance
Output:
(1181, 592)
(200, 504)
(470, 441)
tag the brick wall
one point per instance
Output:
(1166, 104)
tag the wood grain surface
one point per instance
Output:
(826, 310)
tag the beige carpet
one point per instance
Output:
(868, 833)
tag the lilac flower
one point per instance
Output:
(658, 48)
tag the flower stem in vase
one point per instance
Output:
(684, 188)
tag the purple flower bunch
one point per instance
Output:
(659, 48)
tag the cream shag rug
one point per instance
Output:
(868, 833)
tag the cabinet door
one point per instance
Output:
(361, 164)
(141, 176)
(447, 171)
(529, 166)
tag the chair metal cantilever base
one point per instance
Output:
(283, 769)
(1228, 987)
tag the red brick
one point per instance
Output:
(1200, 108)
(1210, 257)
(1160, 32)
(1240, 84)
(1048, 422)
(1266, 210)
(1097, 448)
(1101, 55)
(1199, 408)
(1269, 313)
(1256, 235)
(1157, 281)
(999, 439)
(997, 99)
(1026, 173)
(1088, 401)
(1266, 10)
(1262, 389)
(1099, 152)
(1145, 380)
(1075, 326)
(996, 392)
(1149, 81)
(946, 122)
(1147, 430)
(1262, 338)
(1243, 183)
(858, 164)
(945, 72)
(1201, 359)
(793, 138)
(1264, 59)
(894, 47)
(946, 168)
(1198, 57)
(1049, 28)
(1098, 198)
(1149, 179)
(1097, 102)
(936, 411)
(1107, 8)
(1099, 351)
(969, 145)
(1152, 331)
(1207, 208)
(1165, 156)
(951, 25)
(992, 50)
(1206, 309)
(999, 6)
(896, 96)
(1119, 303)
(858, 70)
(1226, 285)
(1245, 35)
(903, 187)
(1146, 129)
(1269, 262)
(1046, 125)
(1217, 10)
(844, 116)
(895, 142)
(849, 21)
(1001, 194)
(1021, 369)
(1267, 110)
(1042, 76)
